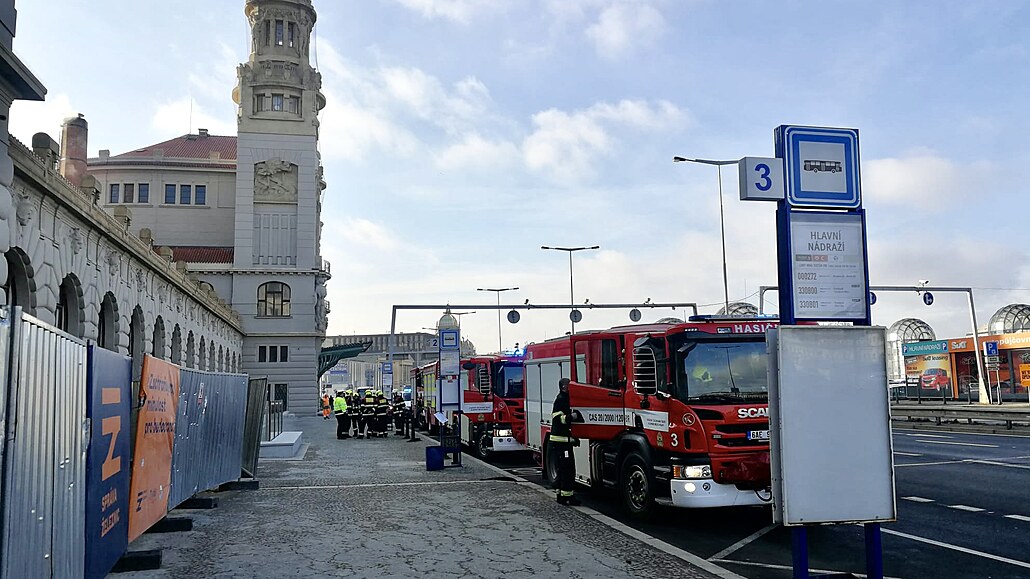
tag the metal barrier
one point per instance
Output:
(208, 432)
(253, 425)
(43, 496)
(1009, 418)
(274, 425)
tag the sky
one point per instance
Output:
(462, 135)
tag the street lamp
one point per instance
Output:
(572, 294)
(500, 347)
(722, 220)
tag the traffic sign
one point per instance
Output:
(634, 315)
(761, 178)
(821, 166)
(872, 299)
(990, 348)
(928, 298)
(576, 316)
(514, 317)
(993, 359)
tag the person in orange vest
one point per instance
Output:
(326, 405)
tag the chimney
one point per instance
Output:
(202, 132)
(45, 148)
(74, 133)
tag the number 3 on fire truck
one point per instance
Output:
(675, 439)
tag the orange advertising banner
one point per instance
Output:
(155, 438)
(1024, 374)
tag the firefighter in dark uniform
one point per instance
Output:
(398, 414)
(561, 438)
(354, 411)
(368, 411)
(342, 420)
(382, 414)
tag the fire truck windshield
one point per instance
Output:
(721, 372)
(509, 382)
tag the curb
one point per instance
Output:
(612, 523)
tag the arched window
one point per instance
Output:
(177, 345)
(273, 300)
(20, 285)
(191, 352)
(158, 350)
(107, 324)
(137, 342)
(70, 305)
(203, 354)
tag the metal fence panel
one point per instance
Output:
(256, 389)
(45, 458)
(208, 432)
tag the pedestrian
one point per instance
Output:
(398, 414)
(354, 411)
(561, 438)
(382, 414)
(368, 411)
(340, 410)
(326, 402)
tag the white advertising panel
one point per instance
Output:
(827, 262)
(829, 421)
(450, 393)
(450, 363)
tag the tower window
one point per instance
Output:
(273, 300)
(293, 105)
(292, 28)
(259, 103)
(268, 32)
(278, 32)
(277, 102)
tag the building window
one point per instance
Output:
(273, 354)
(273, 300)
(293, 105)
(130, 190)
(114, 192)
(268, 34)
(201, 196)
(185, 194)
(259, 103)
(169, 193)
(292, 33)
(277, 102)
(144, 192)
(278, 32)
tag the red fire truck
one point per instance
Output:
(674, 413)
(424, 393)
(493, 405)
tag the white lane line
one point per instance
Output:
(788, 567)
(899, 453)
(966, 508)
(959, 443)
(918, 499)
(1022, 564)
(376, 485)
(977, 434)
(996, 463)
(743, 542)
(933, 463)
(929, 435)
(1018, 518)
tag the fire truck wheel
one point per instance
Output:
(550, 470)
(483, 444)
(636, 486)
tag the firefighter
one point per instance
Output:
(326, 405)
(354, 411)
(701, 374)
(342, 420)
(561, 438)
(382, 414)
(368, 410)
(398, 414)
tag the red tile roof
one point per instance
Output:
(201, 254)
(197, 147)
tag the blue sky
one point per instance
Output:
(461, 135)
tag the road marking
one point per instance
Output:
(1022, 564)
(1018, 518)
(915, 431)
(741, 543)
(788, 567)
(929, 435)
(996, 463)
(959, 443)
(933, 463)
(966, 508)
(918, 499)
(375, 485)
(898, 452)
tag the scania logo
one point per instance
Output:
(752, 413)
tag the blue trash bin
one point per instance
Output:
(434, 458)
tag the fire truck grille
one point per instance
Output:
(736, 435)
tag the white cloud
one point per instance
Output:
(623, 26)
(475, 151)
(921, 179)
(566, 144)
(185, 115)
(31, 117)
(460, 11)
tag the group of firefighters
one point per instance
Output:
(368, 415)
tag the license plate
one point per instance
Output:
(758, 435)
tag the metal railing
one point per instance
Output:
(1011, 418)
(274, 420)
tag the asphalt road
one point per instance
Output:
(963, 512)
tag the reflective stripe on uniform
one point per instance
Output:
(556, 438)
(564, 493)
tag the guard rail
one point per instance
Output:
(1011, 416)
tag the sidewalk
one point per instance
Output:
(369, 508)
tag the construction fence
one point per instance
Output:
(75, 490)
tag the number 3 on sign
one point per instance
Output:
(764, 183)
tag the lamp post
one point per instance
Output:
(500, 347)
(722, 221)
(572, 293)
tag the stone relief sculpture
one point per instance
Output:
(26, 209)
(113, 261)
(275, 180)
(321, 316)
(75, 240)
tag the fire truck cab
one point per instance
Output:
(672, 413)
(493, 404)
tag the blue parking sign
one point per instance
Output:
(990, 348)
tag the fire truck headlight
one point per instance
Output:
(502, 432)
(691, 472)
